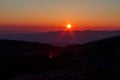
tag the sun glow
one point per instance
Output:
(69, 26)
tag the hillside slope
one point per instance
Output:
(97, 60)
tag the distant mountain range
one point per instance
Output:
(98, 60)
(62, 38)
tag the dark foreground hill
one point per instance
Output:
(99, 60)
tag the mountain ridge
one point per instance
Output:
(94, 60)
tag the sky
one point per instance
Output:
(51, 15)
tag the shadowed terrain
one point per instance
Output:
(99, 60)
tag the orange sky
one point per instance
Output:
(51, 15)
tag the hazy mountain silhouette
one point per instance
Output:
(98, 60)
(57, 38)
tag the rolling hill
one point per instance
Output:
(98, 60)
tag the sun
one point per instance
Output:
(69, 26)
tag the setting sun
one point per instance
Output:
(69, 26)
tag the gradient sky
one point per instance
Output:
(44, 15)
